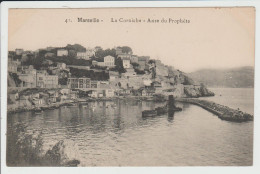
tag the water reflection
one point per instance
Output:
(120, 135)
(170, 116)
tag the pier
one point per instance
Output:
(223, 112)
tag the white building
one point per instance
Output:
(44, 80)
(109, 61)
(110, 92)
(126, 63)
(62, 52)
(82, 55)
(100, 63)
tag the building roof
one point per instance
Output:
(143, 58)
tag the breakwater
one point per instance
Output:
(223, 112)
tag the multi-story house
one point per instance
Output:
(28, 77)
(44, 80)
(142, 61)
(126, 63)
(82, 55)
(62, 52)
(73, 82)
(124, 55)
(109, 61)
(84, 82)
(94, 84)
(134, 59)
(81, 83)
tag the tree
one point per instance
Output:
(76, 47)
(100, 53)
(126, 49)
(119, 65)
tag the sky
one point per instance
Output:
(213, 38)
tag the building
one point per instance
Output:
(119, 51)
(94, 84)
(94, 62)
(81, 83)
(142, 61)
(134, 59)
(13, 65)
(49, 55)
(113, 75)
(84, 83)
(13, 95)
(50, 48)
(73, 83)
(82, 55)
(28, 77)
(124, 56)
(61, 66)
(109, 61)
(62, 52)
(44, 80)
(109, 92)
(126, 63)
(101, 63)
(130, 72)
(97, 48)
(148, 92)
(47, 62)
(18, 52)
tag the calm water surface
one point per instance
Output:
(106, 136)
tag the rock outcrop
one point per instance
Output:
(58, 156)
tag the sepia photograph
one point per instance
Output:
(130, 87)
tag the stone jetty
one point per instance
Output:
(223, 112)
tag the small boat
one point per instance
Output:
(161, 110)
(37, 110)
(72, 105)
(175, 109)
(149, 113)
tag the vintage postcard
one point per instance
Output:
(130, 87)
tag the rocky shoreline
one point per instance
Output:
(223, 112)
(81, 101)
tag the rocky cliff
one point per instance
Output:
(180, 83)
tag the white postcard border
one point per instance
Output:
(111, 170)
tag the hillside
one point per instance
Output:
(242, 77)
